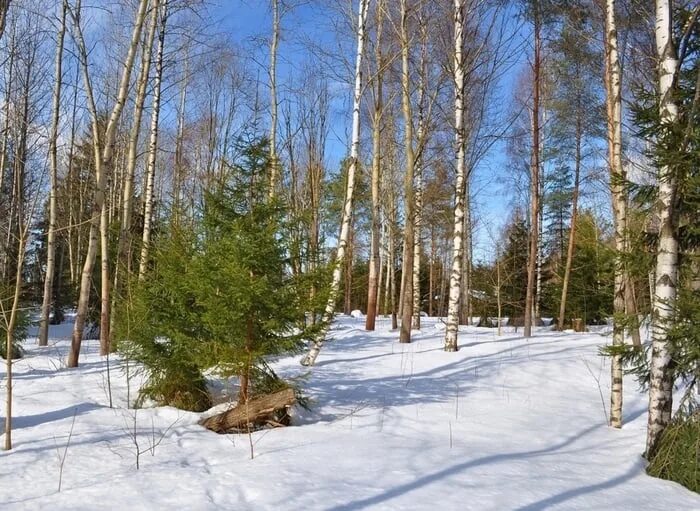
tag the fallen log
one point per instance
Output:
(269, 410)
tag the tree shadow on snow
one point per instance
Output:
(338, 385)
(28, 421)
(458, 469)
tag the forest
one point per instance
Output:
(222, 215)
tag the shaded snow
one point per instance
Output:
(504, 424)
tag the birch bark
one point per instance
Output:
(274, 164)
(408, 237)
(153, 146)
(329, 312)
(661, 380)
(132, 155)
(460, 144)
(617, 178)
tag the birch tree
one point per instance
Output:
(132, 154)
(274, 164)
(619, 202)
(661, 375)
(153, 145)
(53, 169)
(339, 261)
(409, 205)
(103, 149)
(460, 177)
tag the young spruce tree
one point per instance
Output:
(220, 297)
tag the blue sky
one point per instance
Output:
(249, 22)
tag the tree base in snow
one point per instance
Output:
(260, 412)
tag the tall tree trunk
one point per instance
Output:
(103, 148)
(317, 344)
(374, 259)
(661, 371)
(5, 244)
(53, 165)
(274, 163)
(73, 255)
(391, 261)
(10, 325)
(574, 216)
(409, 237)
(540, 196)
(534, 176)
(153, 146)
(21, 240)
(418, 181)
(455, 292)
(617, 187)
(127, 197)
(104, 281)
(179, 143)
(431, 276)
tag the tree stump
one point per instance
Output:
(259, 412)
(578, 325)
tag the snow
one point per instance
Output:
(503, 424)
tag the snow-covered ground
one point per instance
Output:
(503, 424)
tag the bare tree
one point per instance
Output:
(103, 148)
(534, 171)
(409, 199)
(132, 152)
(53, 157)
(374, 258)
(316, 345)
(274, 164)
(153, 145)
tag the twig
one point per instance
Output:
(62, 457)
(600, 390)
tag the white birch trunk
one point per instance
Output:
(132, 154)
(418, 194)
(274, 164)
(153, 147)
(317, 344)
(661, 381)
(408, 238)
(460, 142)
(619, 204)
(53, 168)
